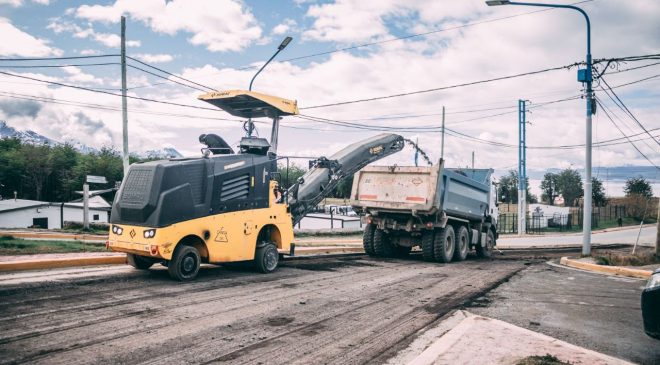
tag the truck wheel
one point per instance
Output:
(487, 252)
(382, 246)
(266, 258)
(139, 262)
(185, 263)
(462, 244)
(444, 244)
(368, 239)
(427, 245)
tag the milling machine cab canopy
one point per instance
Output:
(250, 104)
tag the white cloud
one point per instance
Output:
(76, 75)
(17, 3)
(109, 40)
(15, 42)
(219, 25)
(154, 58)
(286, 26)
(90, 52)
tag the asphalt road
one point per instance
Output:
(598, 312)
(625, 236)
(348, 310)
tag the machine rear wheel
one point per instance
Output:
(487, 252)
(462, 244)
(368, 239)
(382, 246)
(427, 245)
(444, 244)
(185, 263)
(139, 262)
(266, 258)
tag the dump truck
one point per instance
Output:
(444, 211)
(226, 206)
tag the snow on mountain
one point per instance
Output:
(31, 137)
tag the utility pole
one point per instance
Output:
(124, 107)
(522, 169)
(442, 141)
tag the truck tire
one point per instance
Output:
(382, 246)
(266, 258)
(444, 244)
(139, 262)
(487, 252)
(185, 263)
(368, 239)
(427, 245)
(462, 244)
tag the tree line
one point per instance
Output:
(53, 172)
(568, 184)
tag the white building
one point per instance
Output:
(21, 213)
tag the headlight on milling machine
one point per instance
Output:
(149, 233)
(117, 230)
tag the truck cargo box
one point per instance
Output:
(463, 193)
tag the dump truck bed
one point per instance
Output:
(428, 190)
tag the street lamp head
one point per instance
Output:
(497, 2)
(285, 43)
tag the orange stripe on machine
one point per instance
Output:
(415, 199)
(368, 197)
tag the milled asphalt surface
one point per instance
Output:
(339, 310)
(595, 311)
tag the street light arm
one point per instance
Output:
(262, 67)
(586, 17)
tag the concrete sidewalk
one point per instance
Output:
(465, 338)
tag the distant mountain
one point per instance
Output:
(167, 152)
(32, 137)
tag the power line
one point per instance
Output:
(163, 77)
(623, 134)
(443, 87)
(171, 74)
(61, 66)
(58, 58)
(624, 107)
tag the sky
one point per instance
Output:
(220, 43)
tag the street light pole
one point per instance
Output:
(282, 45)
(584, 76)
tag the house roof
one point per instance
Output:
(8, 205)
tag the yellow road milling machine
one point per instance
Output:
(226, 206)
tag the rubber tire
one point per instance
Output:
(139, 262)
(266, 258)
(487, 252)
(444, 244)
(179, 267)
(428, 237)
(368, 239)
(382, 246)
(462, 244)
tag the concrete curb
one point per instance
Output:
(59, 263)
(612, 270)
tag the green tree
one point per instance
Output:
(37, 168)
(507, 189)
(12, 168)
(549, 188)
(289, 176)
(638, 186)
(598, 192)
(569, 185)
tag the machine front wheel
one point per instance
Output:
(266, 258)
(185, 263)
